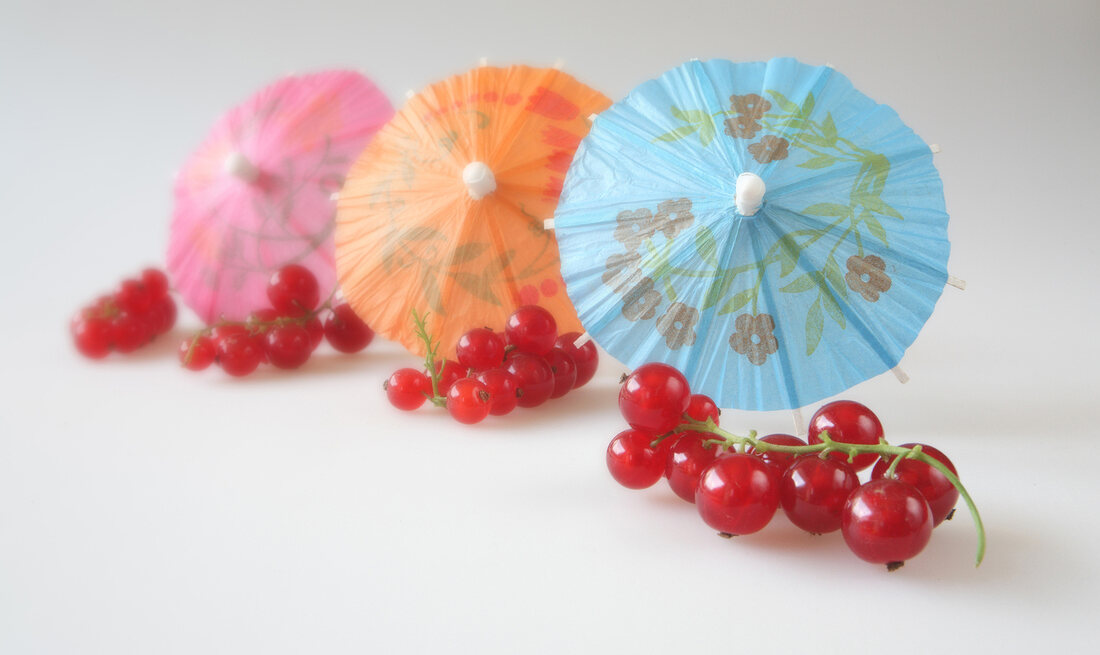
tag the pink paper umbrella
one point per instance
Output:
(257, 194)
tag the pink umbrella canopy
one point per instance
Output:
(258, 193)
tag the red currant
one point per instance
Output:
(813, 491)
(933, 485)
(480, 349)
(450, 372)
(565, 371)
(293, 290)
(163, 314)
(701, 407)
(737, 494)
(133, 297)
(776, 460)
(632, 461)
(316, 332)
(654, 398)
(886, 521)
(848, 422)
(287, 346)
(535, 379)
(156, 282)
(239, 354)
(408, 388)
(260, 320)
(196, 353)
(532, 329)
(345, 331)
(128, 332)
(468, 401)
(688, 457)
(92, 336)
(587, 358)
(503, 388)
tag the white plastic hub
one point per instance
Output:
(749, 194)
(237, 165)
(479, 180)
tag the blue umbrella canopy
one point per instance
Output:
(764, 227)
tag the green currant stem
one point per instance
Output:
(431, 347)
(827, 445)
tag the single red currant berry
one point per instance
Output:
(164, 314)
(737, 494)
(133, 297)
(813, 492)
(239, 354)
(532, 329)
(293, 290)
(345, 331)
(480, 349)
(408, 388)
(222, 332)
(128, 332)
(565, 371)
(632, 461)
(287, 346)
(316, 332)
(847, 421)
(587, 358)
(886, 521)
(450, 372)
(156, 282)
(535, 379)
(701, 407)
(92, 336)
(933, 485)
(196, 353)
(468, 401)
(654, 398)
(503, 389)
(776, 460)
(688, 457)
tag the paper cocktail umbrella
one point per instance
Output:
(764, 227)
(443, 212)
(257, 194)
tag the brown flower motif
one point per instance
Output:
(867, 276)
(622, 271)
(753, 337)
(769, 148)
(678, 325)
(673, 217)
(749, 109)
(640, 303)
(634, 228)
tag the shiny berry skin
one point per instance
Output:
(239, 354)
(586, 358)
(92, 336)
(133, 297)
(316, 331)
(198, 356)
(468, 401)
(534, 377)
(345, 331)
(886, 521)
(222, 332)
(737, 494)
(480, 349)
(156, 282)
(848, 422)
(686, 460)
(451, 372)
(503, 390)
(778, 461)
(632, 461)
(293, 290)
(163, 314)
(408, 388)
(701, 407)
(258, 320)
(128, 332)
(532, 330)
(933, 485)
(287, 346)
(654, 398)
(813, 492)
(565, 371)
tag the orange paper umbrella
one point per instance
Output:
(443, 212)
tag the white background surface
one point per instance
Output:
(144, 509)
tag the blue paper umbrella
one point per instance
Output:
(764, 227)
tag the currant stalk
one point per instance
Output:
(431, 346)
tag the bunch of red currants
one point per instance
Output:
(284, 335)
(526, 365)
(137, 312)
(738, 483)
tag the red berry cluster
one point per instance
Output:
(284, 335)
(137, 312)
(524, 366)
(738, 483)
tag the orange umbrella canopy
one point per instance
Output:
(443, 212)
